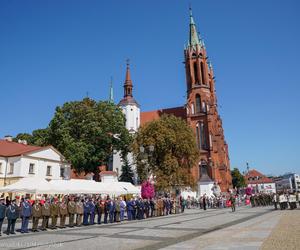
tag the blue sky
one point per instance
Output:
(57, 51)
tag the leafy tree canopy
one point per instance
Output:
(86, 132)
(38, 137)
(175, 152)
(238, 179)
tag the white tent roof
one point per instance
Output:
(30, 185)
(73, 186)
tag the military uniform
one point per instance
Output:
(54, 212)
(117, 211)
(46, 214)
(63, 211)
(36, 215)
(25, 215)
(12, 213)
(79, 213)
(72, 212)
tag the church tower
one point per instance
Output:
(129, 105)
(131, 110)
(202, 113)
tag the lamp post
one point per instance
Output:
(146, 153)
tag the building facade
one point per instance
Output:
(259, 182)
(288, 182)
(18, 160)
(200, 111)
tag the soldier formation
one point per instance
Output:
(52, 213)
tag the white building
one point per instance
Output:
(259, 182)
(290, 182)
(18, 160)
(131, 109)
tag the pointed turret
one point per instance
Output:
(111, 92)
(194, 37)
(128, 83)
(128, 86)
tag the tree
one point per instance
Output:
(39, 137)
(238, 179)
(127, 173)
(87, 132)
(175, 152)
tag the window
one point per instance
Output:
(198, 136)
(1, 168)
(48, 173)
(196, 73)
(31, 168)
(11, 168)
(198, 103)
(202, 73)
(201, 136)
(62, 172)
(192, 109)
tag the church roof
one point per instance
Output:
(156, 114)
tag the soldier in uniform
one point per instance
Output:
(147, 207)
(117, 210)
(12, 213)
(106, 211)
(275, 200)
(2, 213)
(45, 214)
(86, 212)
(54, 212)
(111, 210)
(25, 215)
(98, 210)
(129, 209)
(92, 211)
(72, 211)
(232, 200)
(36, 215)
(79, 212)
(63, 211)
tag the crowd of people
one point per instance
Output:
(52, 213)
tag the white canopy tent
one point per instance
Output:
(74, 186)
(30, 185)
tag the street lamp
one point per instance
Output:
(146, 153)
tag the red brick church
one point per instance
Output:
(200, 111)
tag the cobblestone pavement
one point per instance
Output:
(286, 234)
(247, 228)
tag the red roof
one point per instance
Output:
(256, 177)
(9, 149)
(156, 114)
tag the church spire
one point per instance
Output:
(194, 37)
(128, 83)
(111, 91)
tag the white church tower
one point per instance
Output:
(131, 109)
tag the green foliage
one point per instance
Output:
(85, 133)
(238, 179)
(127, 173)
(38, 137)
(175, 152)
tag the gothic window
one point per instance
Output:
(202, 73)
(198, 103)
(203, 137)
(203, 107)
(196, 73)
(198, 136)
(192, 108)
